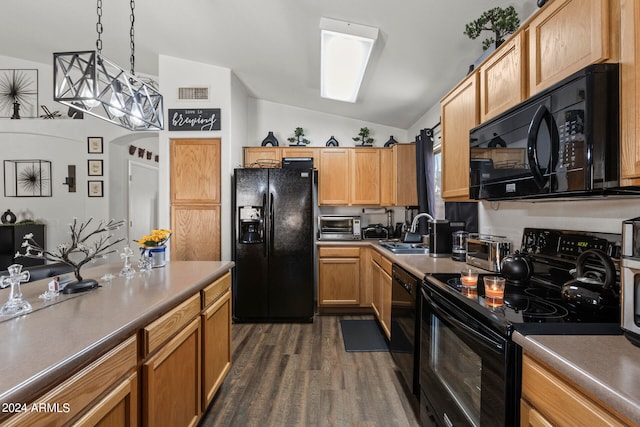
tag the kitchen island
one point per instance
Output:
(130, 325)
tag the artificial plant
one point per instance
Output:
(500, 21)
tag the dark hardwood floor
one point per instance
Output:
(300, 375)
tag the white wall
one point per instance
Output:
(265, 116)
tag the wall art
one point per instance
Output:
(94, 167)
(194, 119)
(96, 188)
(27, 178)
(18, 93)
(94, 145)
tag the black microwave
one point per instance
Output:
(562, 142)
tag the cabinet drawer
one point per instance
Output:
(160, 330)
(336, 252)
(82, 388)
(216, 290)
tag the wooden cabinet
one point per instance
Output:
(216, 336)
(195, 199)
(566, 36)
(333, 173)
(171, 369)
(503, 78)
(381, 290)
(104, 391)
(398, 185)
(365, 176)
(459, 113)
(550, 399)
(301, 152)
(338, 276)
(196, 223)
(261, 157)
(630, 93)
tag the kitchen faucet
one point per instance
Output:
(414, 223)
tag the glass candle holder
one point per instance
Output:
(494, 290)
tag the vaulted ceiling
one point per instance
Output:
(273, 46)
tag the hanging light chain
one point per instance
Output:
(132, 43)
(99, 28)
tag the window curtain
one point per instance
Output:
(425, 177)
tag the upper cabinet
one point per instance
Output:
(566, 36)
(630, 92)
(352, 176)
(459, 113)
(333, 181)
(503, 78)
(365, 176)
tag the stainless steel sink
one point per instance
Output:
(406, 248)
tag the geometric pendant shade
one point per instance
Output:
(89, 82)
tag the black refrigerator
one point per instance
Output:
(273, 245)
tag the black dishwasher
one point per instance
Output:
(403, 345)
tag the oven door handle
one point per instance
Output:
(472, 333)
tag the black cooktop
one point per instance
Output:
(536, 307)
(529, 309)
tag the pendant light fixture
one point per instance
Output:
(89, 82)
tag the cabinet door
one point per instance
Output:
(118, 408)
(385, 294)
(502, 78)
(171, 381)
(196, 232)
(216, 346)
(195, 171)
(262, 157)
(387, 177)
(376, 290)
(630, 93)
(405, 175)
(459, 113)
(566, 36)
(339, 281)
(333, 188)
(365, 176)
(301, 152)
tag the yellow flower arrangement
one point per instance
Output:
(156, 238)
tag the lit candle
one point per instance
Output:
(468, 278)
(494, 290)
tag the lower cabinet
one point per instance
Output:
(548, 399)
(338, 276)
(381, 284)
(216, 337)
(171, 371)
(103, 393)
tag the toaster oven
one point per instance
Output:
(486, 251)
(335, 227)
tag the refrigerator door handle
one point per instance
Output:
(271, 220)
(264, 224)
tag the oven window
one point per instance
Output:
(458, 368)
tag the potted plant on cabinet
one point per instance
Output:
(363, 137)
(500, 21)
(298, 137)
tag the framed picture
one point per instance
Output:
(96, 188)
(94, 167)
(19, 93)
(94, 144)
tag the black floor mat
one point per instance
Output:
(363, 335)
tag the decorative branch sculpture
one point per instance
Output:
(80, 250)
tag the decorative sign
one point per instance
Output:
(197, 119)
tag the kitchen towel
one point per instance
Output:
(362, 335)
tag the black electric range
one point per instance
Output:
(536, 306)
(469, 366)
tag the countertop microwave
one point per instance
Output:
(562, 142)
